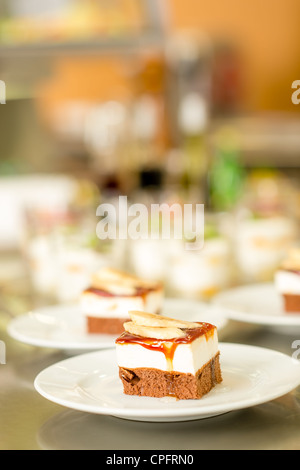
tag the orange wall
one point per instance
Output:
(265, 32)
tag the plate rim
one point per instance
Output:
(195, 412)
(54, 344)
(81, 345)
(289, 320)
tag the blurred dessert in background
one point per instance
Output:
(112, 293)
(155, 255)
(261, 244)
(60, 264)
(202, 274)
(268, 192)
(59, 243)
(157, 242)
(77, 257)
(265, 225)
(287, 281)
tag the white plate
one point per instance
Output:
(63, 327)
(90, 383)
(256, 303)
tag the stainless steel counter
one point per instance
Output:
(30, 422)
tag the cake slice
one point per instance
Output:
(159, 356)
(287, 281)
(106, 303)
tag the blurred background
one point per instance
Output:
(162, 101)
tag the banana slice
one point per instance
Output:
(153, 332)
(153, 320)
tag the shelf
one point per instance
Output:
(152, 36)
(265, 140)
(109, 46)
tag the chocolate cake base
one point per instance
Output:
(109, 326)
(157, 383)
(291, 303)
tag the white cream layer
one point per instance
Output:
(94, 305)
(287, 282)
(188, 357)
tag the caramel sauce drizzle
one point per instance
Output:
(294, 271)
(168, 347)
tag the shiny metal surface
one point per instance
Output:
(28, 421)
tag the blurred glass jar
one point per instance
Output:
(261, 243)
(62, 259)
(77, 258)
(186, 270)
(60, 245)
(150, 258)
(39, 256)
(201, 275)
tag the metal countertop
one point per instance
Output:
(30, 422)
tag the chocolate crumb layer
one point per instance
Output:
(291, 303)
(102, 325)
(157, 383)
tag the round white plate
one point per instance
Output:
(63, 326)
(90, 383)
(256, 303)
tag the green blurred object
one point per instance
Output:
(210, 232)
(195, 160)
(227, 174)
(8, 168)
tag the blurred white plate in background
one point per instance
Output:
(63, 326)
(256, 303)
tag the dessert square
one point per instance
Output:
(287, 281)
(159, 357)
(106, 303)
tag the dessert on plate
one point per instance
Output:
(112, 293)
(160, 356)
(260, 243)
(287, 281)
